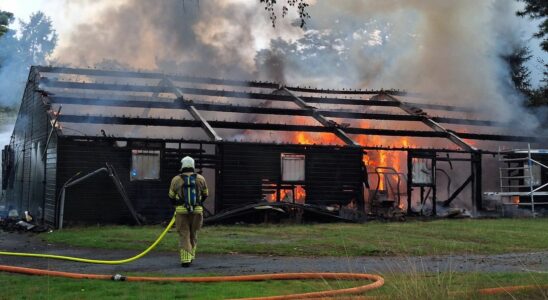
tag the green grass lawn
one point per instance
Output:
(371, 239)
(416, 286)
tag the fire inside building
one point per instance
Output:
(101, 146)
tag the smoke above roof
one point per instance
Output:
(447, 51)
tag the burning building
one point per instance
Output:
(102, 146)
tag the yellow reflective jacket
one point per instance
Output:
(176, 192)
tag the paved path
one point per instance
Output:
(166, 262)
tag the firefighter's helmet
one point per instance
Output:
(187, 162)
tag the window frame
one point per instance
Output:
(141, 152)
(296, 155)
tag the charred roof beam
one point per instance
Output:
(201, 80)
(334, 126)
(53, 83)
(427, 120)
(144, 102)
(193, 111)
(122, 120)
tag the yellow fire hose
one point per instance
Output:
(378, 281)
(97, 261)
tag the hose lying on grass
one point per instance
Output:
(97, 261)
(378, 281)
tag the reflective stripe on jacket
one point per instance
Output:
(182, 210)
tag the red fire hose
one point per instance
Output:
(378, 281)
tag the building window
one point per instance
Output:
(145, 165)
(422, 171)
(293, 167)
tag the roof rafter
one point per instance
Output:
(164, 103)
(193, 111)
(335, 128)
(122, 120)
(53, 83)
(427, 120)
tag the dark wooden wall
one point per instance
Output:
(333, 174)
(26, 188)
(97, 200)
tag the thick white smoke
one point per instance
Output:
(215, 38)
(448, 50)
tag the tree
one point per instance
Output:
(32, 46)
(537, 9)
(519, 73)
(5, 19)
(38, 39)
(301, 5)
(270, 7)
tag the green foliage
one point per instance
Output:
(32, 46)
(409, 238)
(38, 39)
(537, 9)
(539, 97)
(519, 73)
(301, 5)
(5, 19)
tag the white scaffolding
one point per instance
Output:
(520, 171)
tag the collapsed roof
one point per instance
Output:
(132, 104)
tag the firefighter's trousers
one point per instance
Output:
(188, 225)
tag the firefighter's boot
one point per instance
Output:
(186, 258)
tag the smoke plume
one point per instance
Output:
(449, 51)
(214, 38)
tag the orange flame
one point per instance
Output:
(380, 158)
(297, 195)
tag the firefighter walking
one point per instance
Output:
(187, 193)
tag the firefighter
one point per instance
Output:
(187, 193)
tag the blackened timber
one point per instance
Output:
(236, 125)
(468, 122)
(194, 141)
(343, 92)
(51, 83)
(497, 137)
(193, 111)
(320, 118)
(274, 127)
(240, 83)
(432, 124)
(167, 103)
(201, 80)
(149, 75)
(438, 106)
(447, 202)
